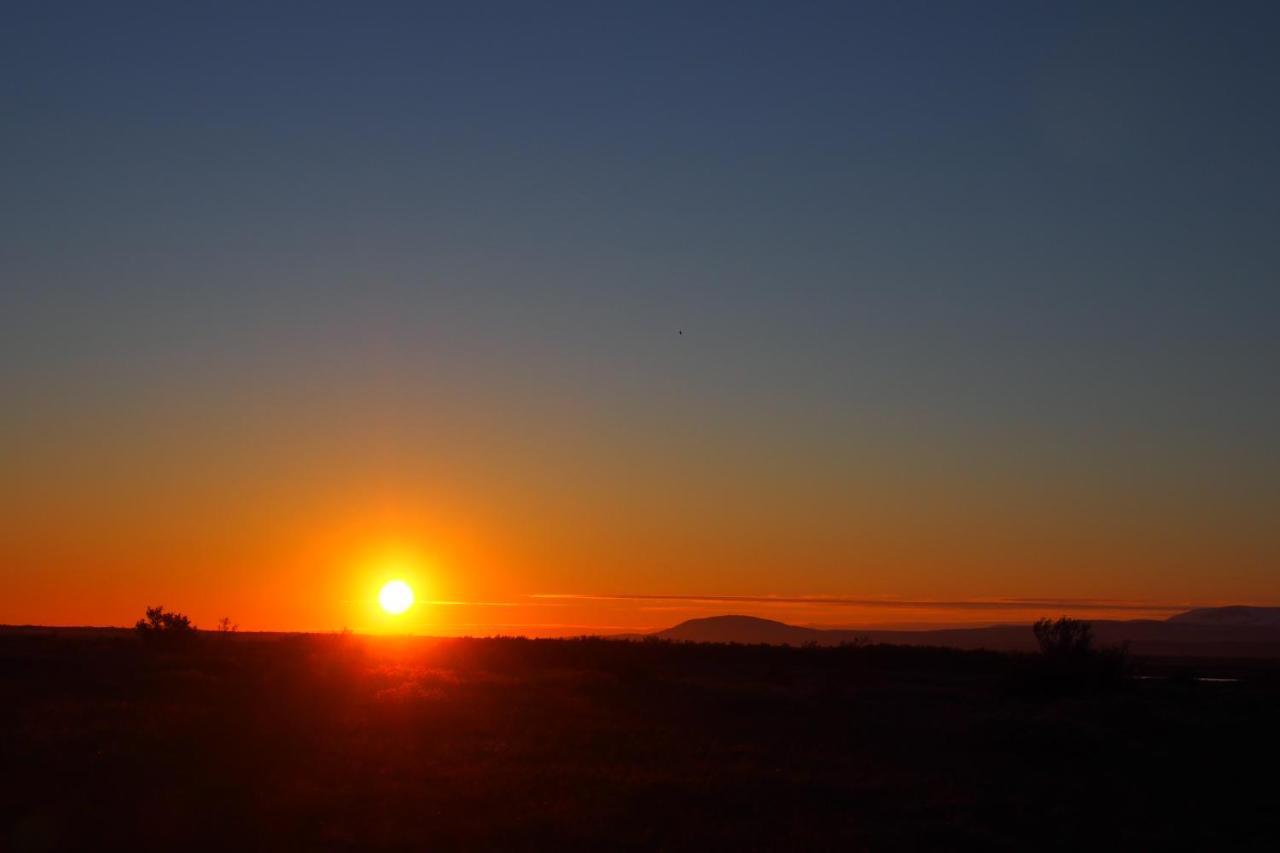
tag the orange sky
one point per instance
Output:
(289, 514)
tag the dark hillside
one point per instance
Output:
(346, 743)
(1227, 632)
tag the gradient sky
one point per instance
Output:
(979, 305)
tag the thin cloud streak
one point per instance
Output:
(962, 604)
(453, 603)
(558, 626)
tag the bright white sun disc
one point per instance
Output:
(396, 597)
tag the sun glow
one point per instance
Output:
(395, 597)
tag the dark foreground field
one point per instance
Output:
(338, 742)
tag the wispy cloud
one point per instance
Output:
(558, 626)
(1091, 604)
(452, 603)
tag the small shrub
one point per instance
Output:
(1068, 661)
(1064, 637)
(164, 628)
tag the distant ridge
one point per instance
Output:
(744, 629)
(1236, 631)
(1253, 617)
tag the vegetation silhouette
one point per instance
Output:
(350, 742)
(1069, 662)
(1063, 638)
(165, 629)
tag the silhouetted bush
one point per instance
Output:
(1068, 661)
(1064, 637)
(164, 628)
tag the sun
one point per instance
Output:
(396, 597)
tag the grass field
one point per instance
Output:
(248, 742)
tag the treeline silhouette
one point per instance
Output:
(1068, 660)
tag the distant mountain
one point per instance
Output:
(754, 630)
(1205, 632)
(1250, 617)
(742, 629)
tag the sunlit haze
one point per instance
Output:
(596, 318)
